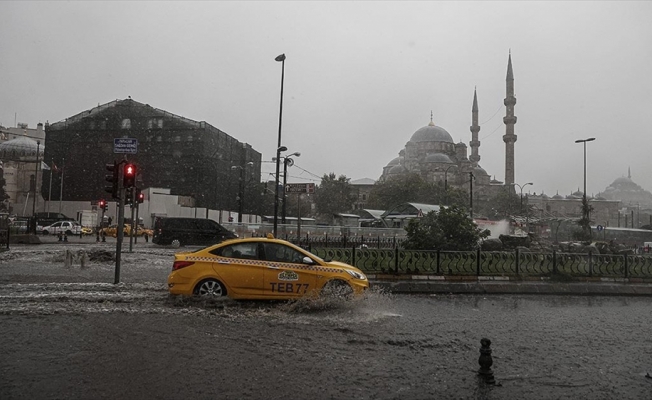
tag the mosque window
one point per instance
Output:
(159, 139)
(189, 138)
(103, 125)
(177, 138)
(126, 123)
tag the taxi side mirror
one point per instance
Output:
(308, 260)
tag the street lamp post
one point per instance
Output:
(38, 149)
(521, 189)
(278, 167)
(585, 208)
(241, 189)
(281, 59)
(287, 162)
(446, 183)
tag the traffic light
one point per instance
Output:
(128, 195)
(113, 178)
(103, 205)
(129, 175)
(140, 196)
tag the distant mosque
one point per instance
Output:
(432, 153)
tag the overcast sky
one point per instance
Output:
(360, 77)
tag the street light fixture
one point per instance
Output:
(521, 188)
(281, 59)
(585, 207)
(287, 162)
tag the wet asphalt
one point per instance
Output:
(71, 333)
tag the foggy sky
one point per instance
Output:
(360, 77)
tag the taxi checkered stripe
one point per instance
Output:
(261, 262)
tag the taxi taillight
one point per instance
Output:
(181, 264)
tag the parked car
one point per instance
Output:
(67, 227)
(189, 231)
(19, 226)
(113, 231)
(49, 218)
(261, 268)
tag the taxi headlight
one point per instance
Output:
(356, 274)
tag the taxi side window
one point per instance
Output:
(280, 253)
(246, 251)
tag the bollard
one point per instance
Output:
(65, 237)
(97, 237)
(83, 259)
(486, 362)
(60, 237)
(67, 259)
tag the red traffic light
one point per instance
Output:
(129, 175)
(130, 170)
(101, 203)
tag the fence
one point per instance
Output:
(343, 241)
(490, 263)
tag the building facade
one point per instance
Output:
(191, 158)
(432, 153)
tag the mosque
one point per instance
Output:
(432, 153)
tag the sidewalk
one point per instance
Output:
(487, 286)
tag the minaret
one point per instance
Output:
(509, 121)
(475, 128)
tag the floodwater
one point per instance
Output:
(70, 333)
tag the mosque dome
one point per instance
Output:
(557, 197)
(479, 171)
(19, 147)
(431, 133)
(438, 158)
(395, 161)
(397, 169)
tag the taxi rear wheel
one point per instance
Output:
(337, 289)
(210, 288)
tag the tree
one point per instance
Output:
(333, 195)
(449, 229)
(3, 193)
(584, 233)
(412, 188)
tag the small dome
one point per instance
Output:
(438, 158)
(479, 171)
(21, 146)
(395, 161)
(431, 133)
(557, 197)
(397, 169)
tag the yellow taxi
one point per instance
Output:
(261, 268)
(113, 231)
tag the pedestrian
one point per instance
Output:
(110, 220)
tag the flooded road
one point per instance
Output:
(67, 336)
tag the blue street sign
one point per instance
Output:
(600, 228)
(125, 145)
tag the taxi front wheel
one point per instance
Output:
(210, 288)
(337, 289)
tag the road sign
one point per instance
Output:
(599, 228)
(125, 145)
(300, 188)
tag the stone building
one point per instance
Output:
(191, 158)
(22, 169)
(432, 153)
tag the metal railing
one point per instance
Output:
(490, 263)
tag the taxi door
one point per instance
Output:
(285, 273)
(240, 268)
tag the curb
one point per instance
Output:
(513, 287)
